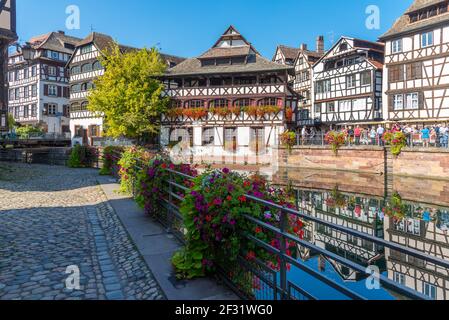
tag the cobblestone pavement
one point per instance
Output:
(55, 221)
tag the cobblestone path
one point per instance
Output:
(55, 221)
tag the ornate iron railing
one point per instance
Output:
(273, 285)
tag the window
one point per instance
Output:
(94, 130)
(318, 108)
(398, 102)
(97, 65)
(53, 90)
(330, 107)
(11, 95)
(195, 104)
(208, 136)
(396, 73)
(219, 103)
(17, 94)
(427, 39)
(242, 103)
(268, 102)
(52, 71)
(351, 81)
(323, 86)
(365, 78)
(86, 67)
(86, 49)
(52, 109)
(76, 88)
(26, 111)
(33, 71)
(414, 70)
(26, 93)
(76, 70)
(412, 100)
(399, 278)
(430, 290)
(33, 110)
(345, 106)
(26, 73)
(396, 46)
(34, 90)
(343, 47)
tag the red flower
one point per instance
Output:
(247, 184)
(250, 255)
(258, 230)
(242, 199)
(164, 166)
(208, 218)
(288, 266)
(229, 198)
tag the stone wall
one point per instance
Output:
(428, 163)
(355, 159)
(419, 162)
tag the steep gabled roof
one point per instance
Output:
(288, 52)
(56, 41)
(422, 4)
(358, 44)
(104, 42)
(230, 44)
(404, 25)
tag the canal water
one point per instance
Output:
(411, 211)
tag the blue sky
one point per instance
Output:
(189, 27)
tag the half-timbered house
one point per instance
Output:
(424, 236)
(39, 88)
(416, 74)
(303, 60)
(348, 83)
(230, 103)
(84, 68)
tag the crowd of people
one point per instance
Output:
(424, 136)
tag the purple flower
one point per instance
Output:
(194, 193)
(232, 222)
(225, 170)
(268, 215)
(218, 202)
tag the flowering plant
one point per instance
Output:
(152, 183)
(127, 166)
(175, 112)
(214, 218)
(221, 111)
(109, 161)
(336, 199)
(195, 113)
(288, 139)
(396, 139)
(395, 208)
(289, 114)
(336, 140)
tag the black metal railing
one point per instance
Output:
(273, 285)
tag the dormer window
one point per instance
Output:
(428, 12)
(343, 47)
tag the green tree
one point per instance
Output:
(128, 95)
(11, 122)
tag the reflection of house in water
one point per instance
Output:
(360, 214)
(429, 237)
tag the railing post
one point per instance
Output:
(170, 201)
(283, 266)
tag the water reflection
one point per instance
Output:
(416, 224)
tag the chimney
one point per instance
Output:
(320, 44)
(303, 46)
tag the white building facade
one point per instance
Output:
(348, 83)
(38, 89)
(416, 74)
